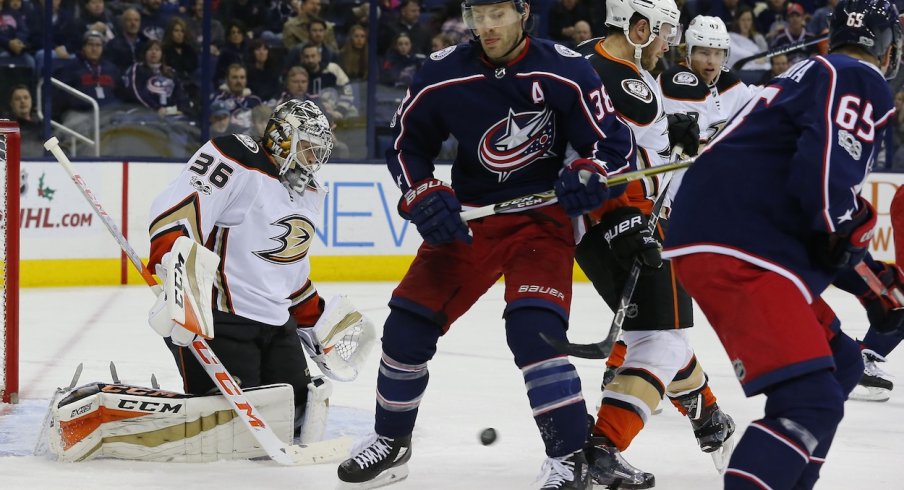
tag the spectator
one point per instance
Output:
(819, 24)
(14, 39)
(581, 32)
(400, 64)
(563, 16)
(96, 17)
(220, 120)
(31, 129)
(296, 29)
(795, 32)
(440, 41)
(125, 48)
(259, 117)
(65, 40)
(238, 98)
(92, 75)
(253, 13)
(296, 86)
(353, 56)
(746, 41)
(329, 77)
(452, 25)
(772, 19)
(234, 50)
(261, 69)
(727, 10)
(178, 51)
(195, 24)
(408, 22)
(153, 19)
(316, 37)
(778, 65)
(154, 85)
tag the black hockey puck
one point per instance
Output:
(488, 436)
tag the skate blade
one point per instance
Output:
(722, 455)
(870, 394)
(388, 477)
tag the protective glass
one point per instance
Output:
(494, 16)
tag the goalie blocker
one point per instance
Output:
(147, 424)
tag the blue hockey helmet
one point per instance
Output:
(519, 4)
(872, 25)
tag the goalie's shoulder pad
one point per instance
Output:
(243, 151)
(134, 422)
(680, 83)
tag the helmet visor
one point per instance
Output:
(492, 16)
(670, 34)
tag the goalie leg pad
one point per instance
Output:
(316, 411)
(135, 423)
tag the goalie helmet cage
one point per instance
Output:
(13, 186)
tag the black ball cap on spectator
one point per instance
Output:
(91, 34)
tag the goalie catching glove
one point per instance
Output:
(340, 340)
(183, 308)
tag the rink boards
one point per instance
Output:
(360, 237)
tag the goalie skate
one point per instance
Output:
(377, 462)
(874, 385)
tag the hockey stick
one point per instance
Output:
(540, 199)
(601, 350)
(895, 297)
(787, 48)
(259, 429)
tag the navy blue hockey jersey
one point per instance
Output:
(515, 124)
(788, 167)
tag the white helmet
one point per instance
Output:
(660, 12)
(708, 32)
(618, 13)
(299, 139)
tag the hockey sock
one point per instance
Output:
(882, 344)
(553, 385)
(848, 369)
(409, 341)
(775, 450)
(617, 356)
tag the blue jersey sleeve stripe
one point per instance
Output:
(827, 150)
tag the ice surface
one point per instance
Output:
(473, 384)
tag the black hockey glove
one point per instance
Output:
(886, 315)
(433, 208)
(629, 237)
(850, 242)
(581, 187)
(684, 131)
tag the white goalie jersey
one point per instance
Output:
(230, 199)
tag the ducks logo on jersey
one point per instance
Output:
(517, 141)
(294, 241)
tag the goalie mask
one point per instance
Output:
(299, 139)
(872, 25)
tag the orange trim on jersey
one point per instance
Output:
(605, 54)
(76, 430)
(160, 245)
(308, 311)
(619, 425)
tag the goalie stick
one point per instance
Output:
(278, 451)
(540, 199)
(787, 48)
(601, 349)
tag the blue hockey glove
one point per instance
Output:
(582, 187)
(433, 208)
(629, 237)
(684, 131)
(850, 242)
(885, 315)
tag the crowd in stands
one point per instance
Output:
(140, 60)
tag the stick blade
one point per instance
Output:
(599, 350)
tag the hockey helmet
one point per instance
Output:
(872, 25)
(618, 13)
(467, 13)
(659, 13)
(299, 139)
(707, 32)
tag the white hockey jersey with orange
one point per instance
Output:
(229, 197)
(683, 91)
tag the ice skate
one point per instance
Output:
(874, 385)
(609, 468)
(378, 462)
(713, 428)
(566, 472)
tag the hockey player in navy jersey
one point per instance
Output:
(757, 256)
(529, 115)
(659, 359)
